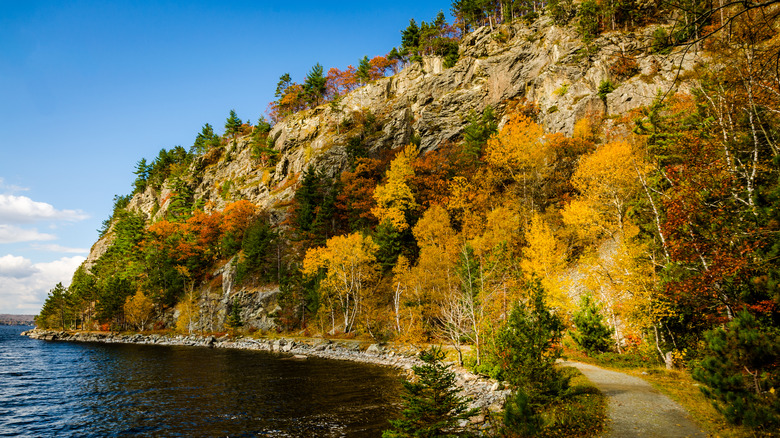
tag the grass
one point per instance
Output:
(581, 413)
(680, 387)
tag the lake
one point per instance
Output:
(89, 389)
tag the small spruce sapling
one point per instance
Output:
(592, 334)
(432, 406)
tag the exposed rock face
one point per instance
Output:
(542, 63)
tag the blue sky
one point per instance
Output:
(87, 88)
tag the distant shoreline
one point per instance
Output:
(9, 319)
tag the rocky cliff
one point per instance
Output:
(542, 63)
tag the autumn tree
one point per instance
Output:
(349, 263)
(138, 310)
(521, 151)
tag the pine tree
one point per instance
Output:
(740, 372)
(234, 319)
(528, 345)
(592, 334)
(284, 81)
(363, 73)
(314, 85)
(233, 125)
(432, 406)
(142, 175)
(205, 140)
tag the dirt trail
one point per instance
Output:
(636, 409)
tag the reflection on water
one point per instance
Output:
(69, 389)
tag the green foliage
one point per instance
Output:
(527, 347)
(142, 175)
(284, 82)
(588, 20)
(314, 85)
(234, 318)
(432, 406)
(120, 202)
(314, 210)
(205, 141)
(233, 125)
(561, 11)
(410, 39)
(592, 334)
(57, 312)
(392, 243)
(478, 131)
(661, 42)
(164, 164)
(259, 252)
(363, 72)
(520, 417)
(740, 371)
(605, 87)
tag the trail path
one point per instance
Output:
(636, 409)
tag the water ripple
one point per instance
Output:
(108, 390)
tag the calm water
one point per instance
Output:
(73, 389)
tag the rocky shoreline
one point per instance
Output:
(486, 395)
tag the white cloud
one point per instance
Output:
(16, 267)
(12, 234)
(21, 209)
(59, 248)
(10, 187)
(24, 292)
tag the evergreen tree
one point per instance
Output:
(592, 334)
(233, 125)
(529, 348)
(234, 319)
(478, 131)
(284, 82)
(740, 371)
(363, 73)
(410, 41)
(142, 175)
(314, 86)
(432, 406)
(205, 140)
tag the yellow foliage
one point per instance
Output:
(544, 258)
(608, 178)
(351, 268)
(188, 315)
(518, 147)
(580, 216)
(464, 202)
(138, 310)
(433, 229)
(501, 228)
(395, 197)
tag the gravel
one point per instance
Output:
(636, 409)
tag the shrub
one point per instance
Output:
(605, 87)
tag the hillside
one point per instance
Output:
(619, 180)
(425, 101)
